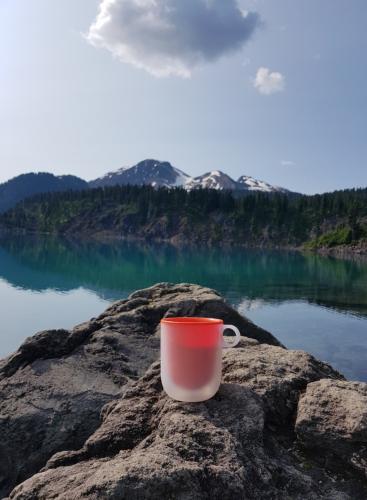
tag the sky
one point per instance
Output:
(275, 90)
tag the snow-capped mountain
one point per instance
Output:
(252, 184)
(211, 180)
(153, 172)
(157, 173)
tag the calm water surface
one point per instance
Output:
(309, 302)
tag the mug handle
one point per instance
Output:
(237, 338)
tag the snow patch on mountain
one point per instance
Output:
(162, 174)
(181, 178)
(255, 185)
(211, 180)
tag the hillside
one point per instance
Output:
(25, 185)
(199, 216)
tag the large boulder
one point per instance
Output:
(332, 417)
(83, 415)
(151, 447)
(276, 374)
(53, 388)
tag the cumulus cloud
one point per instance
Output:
(267, 82)
(171, 37)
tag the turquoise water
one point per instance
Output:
(309, 302)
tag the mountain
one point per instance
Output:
(153, 172)
(157, 173)
(212, 180)
(26, 185)
(109, 179)
(147, 172)
(252, 184)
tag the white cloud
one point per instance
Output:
(287, 163)
(267, 82)
(171, 37)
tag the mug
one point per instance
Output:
(191, 356)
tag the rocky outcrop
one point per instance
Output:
(272, 431)
(53, 388)
(332, 421)
(357, 249)
(232, 446)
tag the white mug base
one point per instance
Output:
(202, 393)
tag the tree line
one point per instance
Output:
(255, 217)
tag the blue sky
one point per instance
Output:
(276, 90)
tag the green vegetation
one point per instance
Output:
(340, 236)
(343, 235)
(198, 216)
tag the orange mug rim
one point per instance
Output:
(187, 320)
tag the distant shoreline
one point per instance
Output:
(344, 251)
(353, 251)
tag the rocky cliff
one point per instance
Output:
(83, 415)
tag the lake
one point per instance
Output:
(308, 302)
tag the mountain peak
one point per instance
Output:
(161, 173)
(216, 179)
(252, 184)
(147, 172)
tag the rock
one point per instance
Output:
(276, 374)
(151, 447)
(83, 415)
(53, 388)
(332, 417)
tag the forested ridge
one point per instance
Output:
(202, 215)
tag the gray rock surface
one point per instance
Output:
(332, 416)
(83, 417)
(53, 388)
(151, 447)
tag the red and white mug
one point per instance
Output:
(191, 356)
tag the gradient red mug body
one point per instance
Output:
(191, 356)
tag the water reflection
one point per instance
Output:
(309, 302)
(117, 268)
